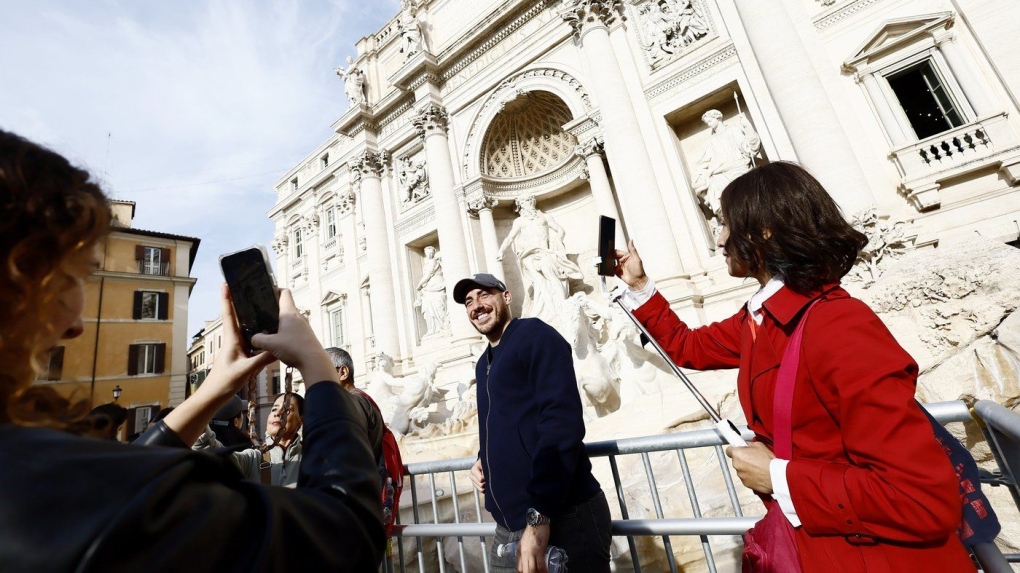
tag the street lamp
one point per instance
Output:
(116, 392)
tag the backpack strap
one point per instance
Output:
(266, 468)
(782, 404)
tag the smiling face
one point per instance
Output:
(488, 309)
(283, 426)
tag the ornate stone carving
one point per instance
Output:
(668, 27)
(730, 153)
(593, 146)
(411, 39)
(354, 82)
(279, 244)
(527, 138)
(887, 242)
(432, 119)
(431, 297)
(369, 164)
(581, 13)
(413, 179)
(345, 201)
(481, 203)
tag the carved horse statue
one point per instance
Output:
(595, 377)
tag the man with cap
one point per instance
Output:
(227, 424)
(532, 465)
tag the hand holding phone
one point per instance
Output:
(252, 291)
(607, 246)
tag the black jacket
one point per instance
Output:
(77, 504)
(531, 425)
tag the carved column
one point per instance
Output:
(625, 147)
(964, 68)
(884, 110)
(370, 166)
(804, 106)
(482, 208)
(592, 150)
(431, 124)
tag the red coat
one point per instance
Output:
(872, 488)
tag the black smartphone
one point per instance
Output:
(607, 246)
(253, 292)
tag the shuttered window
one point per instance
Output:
(146, 359)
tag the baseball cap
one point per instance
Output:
(230, 410)
(480, 280)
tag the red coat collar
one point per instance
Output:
(786, 303)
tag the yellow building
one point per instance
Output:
(136, 318)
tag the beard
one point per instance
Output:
(500, 316)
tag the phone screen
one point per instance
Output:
(253, 293)
(607, 246)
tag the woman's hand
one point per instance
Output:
(629, 267)
(296, 345)
(752, 465)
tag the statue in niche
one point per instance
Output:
(354, 82)
(729, 154)
(413, 179)
(431, 289)
(669, 26)
(538, 243)
(411, 39)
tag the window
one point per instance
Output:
(336, 321)
(298, 247)
(293, 184)
(146, 359)
(925, 100)
(54, 367)
(276, 384)
(325, 161)
(138, 419)
(152, 260)
(330, 223)
(151, 305)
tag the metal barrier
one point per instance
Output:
(1003, 435)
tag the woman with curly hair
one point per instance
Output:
(70, 503)
(867, 488)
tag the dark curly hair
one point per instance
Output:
(52, 212)
(781, 220)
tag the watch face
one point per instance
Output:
(535, 518)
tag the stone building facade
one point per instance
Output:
(905, 110)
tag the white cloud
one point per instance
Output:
(208, 103)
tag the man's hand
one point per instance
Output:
(532, 550)
(477, 476)
(629, 267)
(752, 465)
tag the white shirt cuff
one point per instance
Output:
(635, 298)
(781, 490)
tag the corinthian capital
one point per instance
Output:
(585, 13)
(431, 120)
(589, 147)
(481, 204)
(369, 163)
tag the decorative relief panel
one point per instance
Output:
(412, 180)
(526, 138)
(668, 29)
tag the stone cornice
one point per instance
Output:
(417, 218)
(843, 12)
(721, 56)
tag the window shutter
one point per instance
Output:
(164, 303)
(136, 312)
(164, 260)
(56, 364)
(139, 252)
(133, 360)
(132, 417)
(160, 358)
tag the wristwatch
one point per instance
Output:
(534, 518)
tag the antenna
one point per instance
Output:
(106, 162)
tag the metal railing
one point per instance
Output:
(445, 525)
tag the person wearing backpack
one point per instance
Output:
(843, 457)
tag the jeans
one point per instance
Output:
(583, 531)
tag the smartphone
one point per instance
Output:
(607, 246)
(253, 292)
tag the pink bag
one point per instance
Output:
(771, 545)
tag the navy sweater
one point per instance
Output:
(530, 425)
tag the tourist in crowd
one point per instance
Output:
(532, 465)
(228, 422)
(72, 504)
(867, 488)
(344, 365)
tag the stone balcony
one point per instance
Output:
(988, 142)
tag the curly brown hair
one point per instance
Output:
(52, 213)
(783, 221)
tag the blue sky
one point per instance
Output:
(207, 104)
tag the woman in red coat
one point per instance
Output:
(867, 489)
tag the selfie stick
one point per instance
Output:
(725, 427)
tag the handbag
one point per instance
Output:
(771, 545)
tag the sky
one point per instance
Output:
(191, 109)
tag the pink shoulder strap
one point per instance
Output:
(782, 404)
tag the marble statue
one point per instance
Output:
(354, 82)
(537, 240)
(413, 395)
(598, 384)
(413, 179)
(729, 154)
(411, 39)
(669, 26)
(431, 289)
